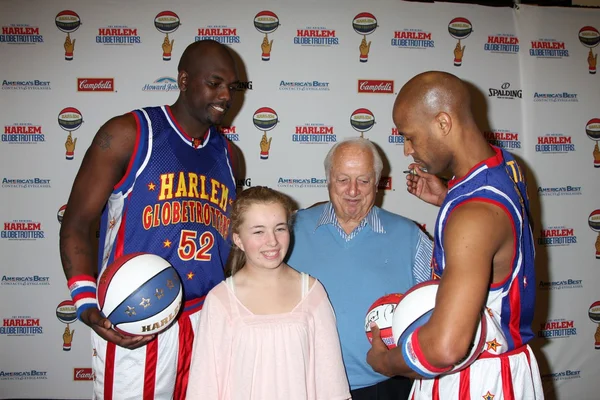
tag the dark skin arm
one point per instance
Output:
(478, 242)
(103, 166)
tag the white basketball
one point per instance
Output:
(140, 294)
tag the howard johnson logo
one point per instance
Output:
(559, 285)
(22, 375)
(163, 84)
(563, 375)
(555, 97)
(26, 183)
(26, 85)
(557, 329)
(559, 191)
(30, 280)
(301, 182)
(304, 85)
(505, 92)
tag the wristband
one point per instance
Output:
(166, 56)
(264, 155)
(457, 62)
(83, 292)
(69, 56)
(415, 359)
(70, 155)
(266, 56)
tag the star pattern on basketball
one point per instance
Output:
(159, 293)
(488, 396)
(170, 284)
(190, 275)
(493, 345)
(151, 186)
(130, 311)
(145, 302)
(167, 243)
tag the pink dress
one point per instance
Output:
(292, 356)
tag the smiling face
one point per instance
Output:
(352, 184)
(263, 235)
(209, 85)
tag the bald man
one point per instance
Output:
(139, 166)
(483, 253)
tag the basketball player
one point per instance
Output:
(161, 178)
(483, 253)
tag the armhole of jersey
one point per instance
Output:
(495, 286)
(230, 153)
(134, 155)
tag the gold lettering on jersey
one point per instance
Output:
(193, 186)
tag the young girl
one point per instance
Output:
(268, 331)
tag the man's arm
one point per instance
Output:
(103, 165)
(474, 234)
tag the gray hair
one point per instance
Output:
(355, 141)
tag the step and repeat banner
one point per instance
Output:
(313, 74)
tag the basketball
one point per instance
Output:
(460, 28)
(381, 312)
(364, 23)
(66, 312)
(67, 21)
(414, 310)
(362, 120)
(265, 119)
(166, 22)
(266, 22)
(140, 294)
(594, 312)
(589, 36)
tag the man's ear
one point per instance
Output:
(182, 80)
(443, 123)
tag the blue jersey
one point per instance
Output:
(510, 303)
(174, 201)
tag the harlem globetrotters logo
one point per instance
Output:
(66, 312)
(592, 129)
(68, 21)
(70, 119)
(266, 22)
(167, 22)
(459, 28)
(590, 38)
(594, 223)
(364, 24)
(265, 119)
(362, 120)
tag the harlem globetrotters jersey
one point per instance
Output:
(510, 304)
(174, 201)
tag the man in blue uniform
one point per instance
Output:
(161, 179)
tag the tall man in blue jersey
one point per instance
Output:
(483, 253)
(161, 180)
(359, 252)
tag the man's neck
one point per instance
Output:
(190, 125)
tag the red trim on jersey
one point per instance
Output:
(514, 299)
(150, 370)
(138, 135)
(186, 339)
(487, 354)
(464, 383)
(435, 395)
(421, 356)
(507, 382)
(491, 162)
(109, 370)
(183, 132)
(120, 240)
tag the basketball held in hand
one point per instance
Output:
(381, 312)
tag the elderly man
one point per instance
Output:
(359, 252)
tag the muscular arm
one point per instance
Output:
(475, 234)
(103, 166)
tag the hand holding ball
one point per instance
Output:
(381, 313)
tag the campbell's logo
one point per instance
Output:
(83, 374)
(413, 39)
(95, 84)
(23, 133)
(395, 137)
(219, 33)
(375, 86)
(548, 48)
(21, 34)
(503, 139)
(502, 43)
(314, 133)
(554, 143)
(385, 183)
